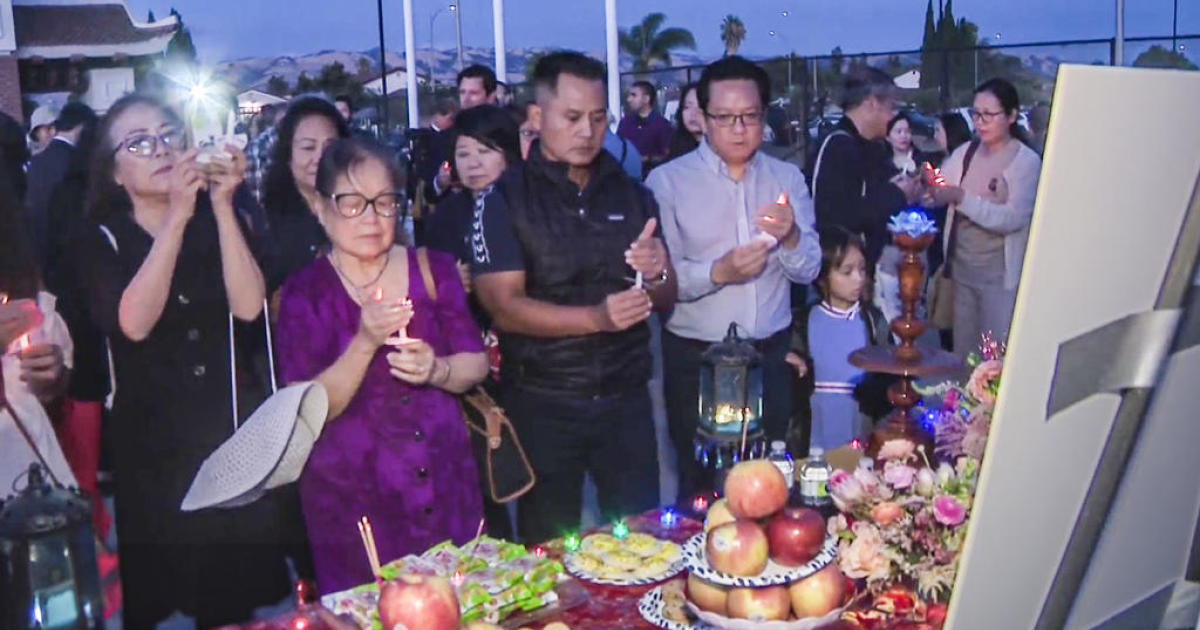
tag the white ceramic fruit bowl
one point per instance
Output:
(725, 623)
(696, 560)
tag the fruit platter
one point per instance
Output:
(489, 579)
(633, 559)
(759, 563)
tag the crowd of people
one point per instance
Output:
(533, 229)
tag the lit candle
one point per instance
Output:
(700, 503)
(571, 543)
(668, 518)
(782, 200)
(539, 551)
(23, 342)
(620, 530)
(457, 578)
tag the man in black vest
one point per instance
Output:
(569, 262)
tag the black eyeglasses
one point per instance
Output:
(981, 115)
(749, 119)
(145, 145)
(351, 205)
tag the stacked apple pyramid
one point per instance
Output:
(751, 525)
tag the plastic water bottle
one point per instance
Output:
(814, 480)
(783, 461)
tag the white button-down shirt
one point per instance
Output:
(705, 213)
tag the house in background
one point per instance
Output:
(251, 102)
(95, 49)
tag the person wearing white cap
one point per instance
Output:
(41, 128)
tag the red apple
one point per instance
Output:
(819, 593)
(755, 489)
(737, 548)
(770, 603)
(708, 596)
(718, 515)
(414, 602)
(795, 535)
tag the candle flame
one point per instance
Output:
(783, 199)
(378, 294)
(23, 341)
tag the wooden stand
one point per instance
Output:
(906, 360)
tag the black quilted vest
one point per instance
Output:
(573, 242)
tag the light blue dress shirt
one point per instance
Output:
(704, 214)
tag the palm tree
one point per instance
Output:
(650, 46)
(733, 33)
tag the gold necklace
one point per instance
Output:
(358, 289)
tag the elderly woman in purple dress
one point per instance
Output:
(360, 322)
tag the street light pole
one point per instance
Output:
(432, 48)
(383, 111)
(458, 32)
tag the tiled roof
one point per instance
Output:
(107, 26)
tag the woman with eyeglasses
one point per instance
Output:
(392, 357)
(168, 265)
(290, 195)
(990, 187)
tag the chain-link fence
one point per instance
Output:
(805, 91)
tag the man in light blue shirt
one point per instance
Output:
(739, 227)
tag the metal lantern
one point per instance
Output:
(48, 574)
(730, 403)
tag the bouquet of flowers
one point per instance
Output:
(962, 423)
(905, 523)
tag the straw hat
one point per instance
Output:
(269, 450)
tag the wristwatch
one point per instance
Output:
(657, 280)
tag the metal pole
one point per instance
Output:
(458, 33)
(498, 37)
(1119, 42)
(432, 48)
(1175, 27)
(383, 110)
(410, 60)
(614, 59)
(976, 65)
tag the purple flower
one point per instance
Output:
(948, 511)
(899, 476)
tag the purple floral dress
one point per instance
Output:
(398, 454)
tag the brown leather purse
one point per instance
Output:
(506, 471)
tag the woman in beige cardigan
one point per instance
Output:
(991, 186)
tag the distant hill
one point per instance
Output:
(255, 72)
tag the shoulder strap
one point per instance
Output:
(820, 156)
(952, 239)
(426, 273)
(971, 149)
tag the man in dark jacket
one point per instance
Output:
(851, 186)
(48, 169)
(556, 247)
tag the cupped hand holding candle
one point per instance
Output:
(414, 362)
(18, 317)
(777, 221)
(382, 317)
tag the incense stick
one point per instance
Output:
(368, 539)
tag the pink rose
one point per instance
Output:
(948, 511)
(886, 513)
(899, 476)
(979, 386)
(864, 557)
(900, 450)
